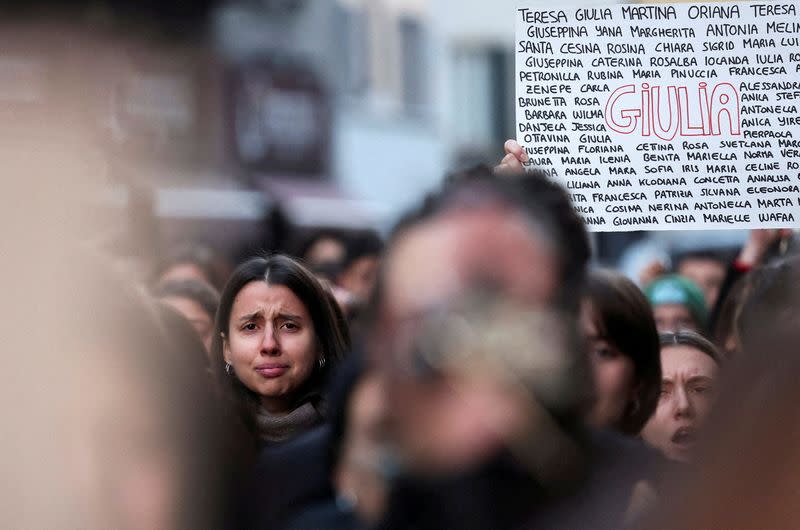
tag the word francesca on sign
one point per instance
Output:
(665, 116)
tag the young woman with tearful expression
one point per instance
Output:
(278, 335)
(271, 345)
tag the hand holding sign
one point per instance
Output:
(673, 116)
(513, 162)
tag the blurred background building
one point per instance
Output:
(305, 112)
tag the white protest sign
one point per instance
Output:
(665, 116)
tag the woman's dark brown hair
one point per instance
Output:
(624, 318)
(330, 326)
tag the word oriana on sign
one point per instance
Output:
(628, 110)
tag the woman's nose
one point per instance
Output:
(269, 344)
(683, 405)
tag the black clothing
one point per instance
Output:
(288, 478)
(326, 516)
(502, 495)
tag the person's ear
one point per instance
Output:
(320, 357)
(226, 351)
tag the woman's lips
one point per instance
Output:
(271, 371)
(684, 437)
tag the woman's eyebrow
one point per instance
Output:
(250, 316)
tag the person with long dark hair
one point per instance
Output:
(623, 350)
(278, 334)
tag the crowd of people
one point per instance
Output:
(471, 370)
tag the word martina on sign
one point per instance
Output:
(655, 117)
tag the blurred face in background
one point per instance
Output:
(673, 317)
(184, 271)
(707, 273)
(201, 321)
(359, 278)
(271, 343)
(325, 250)
(688, 387)
(450, 421)
(614, 374)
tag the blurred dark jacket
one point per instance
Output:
(291, 485)
(502, 495)
(287, 479)
(327, 516)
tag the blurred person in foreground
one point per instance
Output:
(137, 441)
(482, 362)
(106, 422)
(196, 301)
(749, 463)
(621, 336)
(690, 373)
(678, 304)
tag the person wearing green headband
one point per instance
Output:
(678, 303)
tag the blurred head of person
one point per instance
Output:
(196, 262)
(690, 372)
(678, 303)
(195, 300)
(623, 348)
(135, 431)
(323, 251)
(470, 318)
(106, 425)
(183, 335)
(278, 334)
(359, 267)
(706, 269)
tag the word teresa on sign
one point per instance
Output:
(658, 117)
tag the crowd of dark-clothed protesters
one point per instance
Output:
(470, 369)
